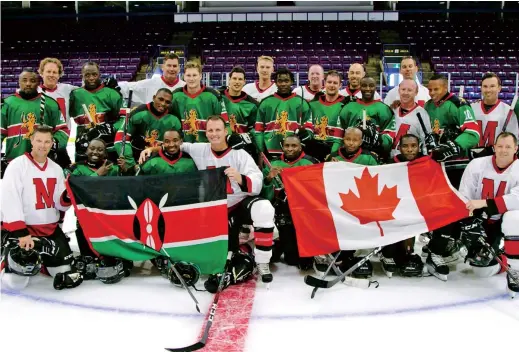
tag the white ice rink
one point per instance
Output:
(146, 313)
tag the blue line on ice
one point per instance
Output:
(435, 307)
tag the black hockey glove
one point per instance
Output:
(430, 142)
(481, 152)
(238, 141)
(45, 246)
(3, 164)
(446, 151)
(303, 134)
(86, 266)
(111, 83)
(371, 138)
(67, 279)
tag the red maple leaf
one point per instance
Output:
(370, 206)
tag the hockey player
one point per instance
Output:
(246, 182)
(169, 159)
(356, 73)
(273, 190)
(103, 106)
(325, 110)
(491, 113)
(491, 184)
(264, 87)
(34, 190)
(379, 133)
(281, 115)
(399, 257)
(146, 125)
(408, 69)
(406, 117)
(144, 90)
(195, 102)
(315, 84)
(24, 111)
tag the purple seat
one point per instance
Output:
(251, 60)
(458, 82)
(292, 60)
(313, 60)
(474, 96)
(235, 53)
(114, 61)
(461, 67)
(511, 60)
(457, 59)
(131, 68)
(335, 59)
(471, 82)
(469, 89)
(479, 60)
(455, 75)
(282, 60)
(324, 60)
(326, 66)
(346, 67)
(484, 67)
(515, 67)
(125, 61)
(507, 67)
(337, 67)
(446, 59)
(240, 60)
(468, 59)
(473, 67)
(230, 60)
(358, 59)
(218, 67)
(507, 82)
(12, 84)
(126, 76)
(450, 67)
(210, 60)
(346, 60)
(506, 89)
(104, 61)
(220, 60)
(303, 67)
(250, 67)
(509, 96)
(490, 60)
(466, 75)
(511, 75)
(439, 67)
(436, 60)
(302, 60)
(495, 67)
(501, 60)
(227, 67)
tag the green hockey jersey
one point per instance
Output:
(241, 112)
(270, 189)
(325, 117)
(20, 117)
(361, 157)
(83, 169)
(147, 127)
(280, 117)
(103, 105)
(194, 109)
(377, 112)
(454, 113)
(160, 164)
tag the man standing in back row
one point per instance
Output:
(408, 69)
(263, 87)
(356, 73)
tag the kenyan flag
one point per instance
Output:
(139, 218)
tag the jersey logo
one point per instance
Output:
(28, 123)
(436, 127)
(403, 130)
(190, 123)
(233, 123)
(488, 136)
(92, 111)
(282, 123)
(152, 138)
(487, 191)
(320, 128)
(44, 193)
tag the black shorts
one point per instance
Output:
(238, 216)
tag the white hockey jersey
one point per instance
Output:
(62, 95)
(143, 91)
(205, 158)
(421, 98)
(358, 94)
(408, 123)
(482, 179)
(257, 93)
(32, 195)
(492, 122)
(305, 92)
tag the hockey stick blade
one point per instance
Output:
(316, 282)
(197, 346)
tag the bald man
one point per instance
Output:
(314, 85)
(406, 117)
(408, 69)
(355, 74)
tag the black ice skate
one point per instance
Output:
(388, 265)
(512, 279)
(437, 267)
(412, 267)
(264, 272)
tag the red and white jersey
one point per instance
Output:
(421, 98)
(491, 122)
(257, 93)
(205, 158)
(61, 94)
(482, 179)
(306, 92)
(143, 91)
(357, 93)
(408, 122)
(32, 195)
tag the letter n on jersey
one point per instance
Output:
(44, 193)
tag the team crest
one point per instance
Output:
(233, 123)
(436, 126)
(190, 123)
(148, 224)
(28, 123)
(92, 111)
(320, 128)
(152, 138)
(282, 123)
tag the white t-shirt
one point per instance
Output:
(257, 93)
(421, 98)
(143, 91)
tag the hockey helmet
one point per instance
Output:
(22, 262)
(242, 267)
(190, 273)
(110, 270)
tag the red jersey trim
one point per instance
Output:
(19, 96)
(292, 162)
(41, 168)
(249, 184)
(96, 90)
(170, 162)
(224, 154)
(62, 200)
(170, 84)
(491, 109)
(407, 113)
(42, 230)
(285, 99)
(355, 156)
(14, 226)
(42, 86)
(240, 98)
(263, 90)
(369, 102)
(339, 99)
(192, 96)
(501, 206)
(148, 106)
(350, 92)
(496, 168)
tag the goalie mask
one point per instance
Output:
(22, 262)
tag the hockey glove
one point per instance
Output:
(86, 266)
(371, 138)
(481, 152)
(430, 142)
(446, 151)
(3, 164)
(303, 134)
(238, 141)
(111, 83)
(67, 279)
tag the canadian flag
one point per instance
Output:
(340, 205)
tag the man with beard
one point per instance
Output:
(408, 69)
(273, 190)
(144, 90)
(356, 73)
(281, 115)
(325, 110)
(314, 85)
(406, 117)
(23, 111)
(491, 113)
(102, 104)
(146, 125)
(379, 133)
(264, 87)
(169, 159)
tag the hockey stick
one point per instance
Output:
(177, 274)
(351, 281)
(316, 282)
(332, 264)
(127, 119)
(201, 344)
(493, 252)
(426, 133)
(510, 113)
